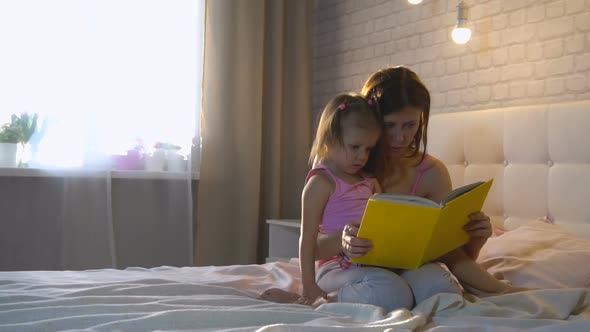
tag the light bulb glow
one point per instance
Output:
(461, 35)
(414, 2)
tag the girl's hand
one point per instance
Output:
(479, 226)
(311, 293)
(353, 246)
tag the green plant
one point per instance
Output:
(19, 130)
(166, 146)
(9, 134)
(28, 125)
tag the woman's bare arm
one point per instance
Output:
(461, 261)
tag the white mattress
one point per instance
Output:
(223, 298)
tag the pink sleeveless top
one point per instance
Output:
(347, 203)
(421, 170)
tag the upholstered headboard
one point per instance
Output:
(539, 157)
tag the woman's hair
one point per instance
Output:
(396, 88)
(350, 110)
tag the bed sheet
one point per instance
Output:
(224, 299)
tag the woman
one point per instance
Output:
(404, 102)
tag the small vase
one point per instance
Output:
(8, 155)
(156, 161)
(175, 162)
(24, 155)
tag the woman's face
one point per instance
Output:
(400, 128)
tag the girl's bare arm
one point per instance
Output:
(313, 201)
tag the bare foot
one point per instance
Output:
(279, 296)
(500, 287)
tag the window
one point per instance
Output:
(104, 76)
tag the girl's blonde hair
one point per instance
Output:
(348, 109)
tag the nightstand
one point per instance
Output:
(283, 239)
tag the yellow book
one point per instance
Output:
(408, 231)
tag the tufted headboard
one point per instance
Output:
(539, 157)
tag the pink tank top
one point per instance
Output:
(347, 203)
(421, 170)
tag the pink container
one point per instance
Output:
(133, 161)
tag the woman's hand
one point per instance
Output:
(479, 230)
(352, 246)
(479, 226)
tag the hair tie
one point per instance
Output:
(370, 101)
(342, 106)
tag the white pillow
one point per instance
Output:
(539, 255)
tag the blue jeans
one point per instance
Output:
(390, 289)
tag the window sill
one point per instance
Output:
(33, 172)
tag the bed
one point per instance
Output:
(539, 206)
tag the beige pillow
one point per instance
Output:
(539, 255)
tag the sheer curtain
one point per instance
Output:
(105, 180)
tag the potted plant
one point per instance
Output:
(165, 157)
(9, 138)
(19, 130)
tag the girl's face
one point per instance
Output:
(352, 156)
(400, 129)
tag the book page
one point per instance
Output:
(405, 199)
(459, 191)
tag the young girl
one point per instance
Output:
(337, 188)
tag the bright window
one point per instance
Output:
(103, 75)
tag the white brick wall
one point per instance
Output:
(521, 51)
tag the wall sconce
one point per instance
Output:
(461, 33)
(414, 2)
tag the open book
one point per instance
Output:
(408, 231)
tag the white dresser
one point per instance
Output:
(283, 239)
